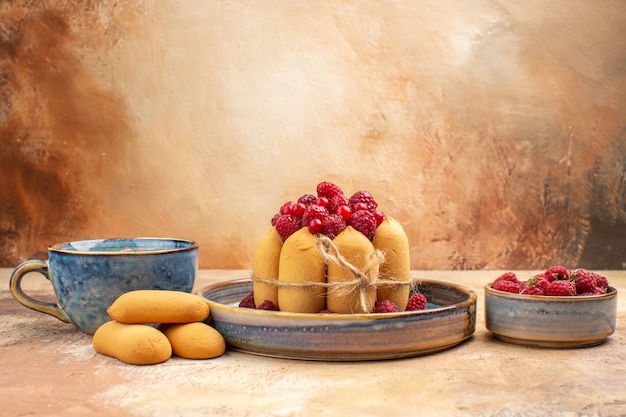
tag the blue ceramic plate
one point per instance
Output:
(549, 321)
(449, 319)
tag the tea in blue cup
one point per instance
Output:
(89, 275)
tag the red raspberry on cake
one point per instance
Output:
(416, 302)
(328, 189)
(286, 225)
(314, 211)
(332, 225)
(561, 287)
(337, 201)
(307, 199)
(365, 222)
(363, 197)
(385, 306)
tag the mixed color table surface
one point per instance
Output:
(47, 368)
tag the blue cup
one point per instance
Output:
(89, 275)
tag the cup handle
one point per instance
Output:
(15, 284)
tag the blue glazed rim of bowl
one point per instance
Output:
(612, 292)
(124, 246)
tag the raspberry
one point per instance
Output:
(385, 306)
(268, 305)
(561, 287)
(416, 302)
(596, 291)
(557, 272)
(314, 211)
(602, 282)
(541, 281)
(307, 199)
(247, 301)
(337, 201)
(332, 225)
(326, 311)
(535, 285)
(507, 286)
(286, 225)
(585, 281)
(360, 206)
(275, 218)
(363, 197)
(328, 190)
(365, 222)
(533, 289)
(507, 282)
(508, 276)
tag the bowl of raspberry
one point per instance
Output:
(557, 308)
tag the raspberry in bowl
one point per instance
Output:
(557, 308)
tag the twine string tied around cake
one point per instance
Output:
(364, 278)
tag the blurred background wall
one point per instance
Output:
(493, 130)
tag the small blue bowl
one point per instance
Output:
(550, 321)
(89, 275)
